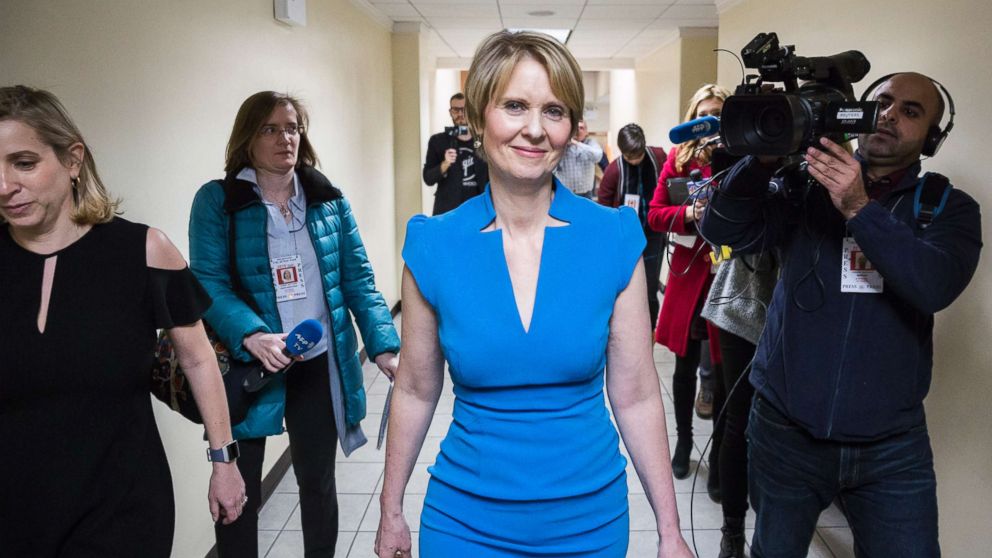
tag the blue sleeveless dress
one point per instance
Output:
(530, 465)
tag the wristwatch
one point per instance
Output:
(226, 454)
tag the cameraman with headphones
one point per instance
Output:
(452, 162)
(845, 359)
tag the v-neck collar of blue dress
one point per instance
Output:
(563, 205)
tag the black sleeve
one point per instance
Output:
(177, 297)
(481, 172)
(740, 213)
(435, 154)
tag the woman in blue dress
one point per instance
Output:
(528, 291)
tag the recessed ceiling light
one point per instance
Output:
(541, 13)
(560, 34)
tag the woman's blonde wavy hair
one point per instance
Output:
(686, 151)
(45, 114)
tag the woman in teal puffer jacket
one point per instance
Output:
(298, 256)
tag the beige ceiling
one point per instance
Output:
(601, 29)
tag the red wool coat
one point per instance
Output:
(689, 277)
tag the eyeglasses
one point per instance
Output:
(270, 130)
(457, 110)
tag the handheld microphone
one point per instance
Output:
(694, 129)
(300, 339)
(303, 337)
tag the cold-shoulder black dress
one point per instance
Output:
(82, 468)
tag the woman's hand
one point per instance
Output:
(674, 546)
(695, 211)
(226, 493)
(392, 540)
(387, 362)
(267, 348)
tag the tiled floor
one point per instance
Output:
(359, 480)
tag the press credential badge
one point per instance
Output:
(857, 274)
(287, 278)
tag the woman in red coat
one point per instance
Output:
(680, 328)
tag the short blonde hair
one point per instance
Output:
(44, 113)
(686, 151)
(494, 62)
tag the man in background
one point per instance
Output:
(577, 168)
(630, 180)
(452, 162)
(845, 361)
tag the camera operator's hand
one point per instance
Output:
(450, 156)
(840, 173)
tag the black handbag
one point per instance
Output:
(170, 385)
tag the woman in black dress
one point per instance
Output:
(83, 471)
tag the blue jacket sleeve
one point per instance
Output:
(372, 315)
(930, 269)
(230, 316)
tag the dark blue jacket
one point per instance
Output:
(846, 366)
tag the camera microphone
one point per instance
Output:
(694, 129)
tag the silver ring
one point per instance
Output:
(245, 500)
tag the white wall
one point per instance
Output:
(658, 87)
(412, 82)
(155, 86)
(944, 40)
(668, 77)
(623, 104)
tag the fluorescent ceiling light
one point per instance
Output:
(560, 34)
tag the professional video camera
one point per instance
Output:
(759, 121)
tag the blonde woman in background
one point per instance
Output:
(680, 327)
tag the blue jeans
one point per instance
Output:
(886, 489)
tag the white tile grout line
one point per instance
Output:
(283, 528)
(357, 529)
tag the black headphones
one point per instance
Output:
(935, 136)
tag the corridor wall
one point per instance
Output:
(155, 86)
(668, 77)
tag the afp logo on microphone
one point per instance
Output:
(301, 344)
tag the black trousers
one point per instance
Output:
(736, 353)
(684, 396)
(653, 254)
(313, 443)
